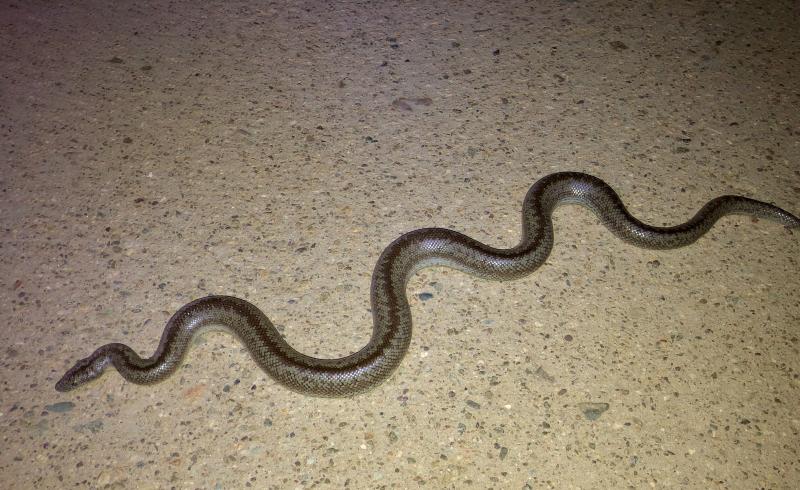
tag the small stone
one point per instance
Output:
(473, 404)
(60, 407)
(593, 411)
(103, 479)
(94, 426)
(544, 375)
(618, 45)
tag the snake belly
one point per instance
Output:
(392, 326)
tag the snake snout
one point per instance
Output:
(66, 384)
(82, 372)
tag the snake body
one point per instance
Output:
(391, 333)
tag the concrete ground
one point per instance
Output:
(155, 152)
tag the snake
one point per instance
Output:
(391, 312)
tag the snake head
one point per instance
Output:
(82, 372)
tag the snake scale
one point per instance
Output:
(391, 331)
